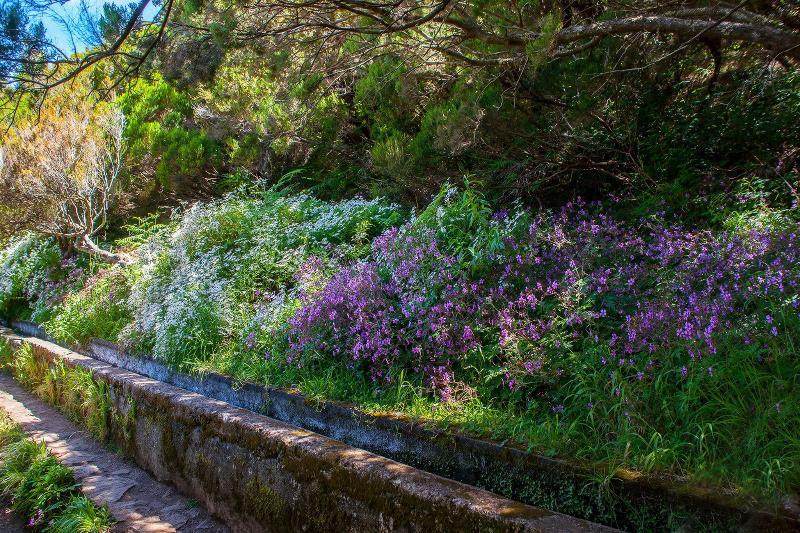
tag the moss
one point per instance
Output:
(169, 450)
(441, 464)
(263, 503)
(123, 423)
(605, 502)
(327, 484)
(205, 471)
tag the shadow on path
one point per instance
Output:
(136, 500)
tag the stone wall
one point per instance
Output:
(259, 474)
(633, 502)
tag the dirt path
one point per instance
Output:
(135, 499)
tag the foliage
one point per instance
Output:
(201, 278)
(596, 331)
(723, 141)
(61, 170)
(156, 129)
(42, 490)
(74, 390)
(99, 309)
(80, 515)
(22, 41)
(43, 487)
(585, 324)
(32, 276)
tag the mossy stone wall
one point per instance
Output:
(259, 474)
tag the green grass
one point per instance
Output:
(73, 390)
(43, 491)
(80, 515)
(98, 310)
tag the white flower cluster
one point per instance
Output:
(177, 289)
(23, 267)
(229, 267)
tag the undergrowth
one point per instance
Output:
(610, 333)
(42, 490)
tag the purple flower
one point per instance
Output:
(250, 341)
(468, 336)
(414, 304)
(36, 519)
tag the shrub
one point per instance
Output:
(587, 324)
(100, 309)
(202, 283)
(593, 331)
(157, 133)
(391, 157)
(27, 265)
(44, 486)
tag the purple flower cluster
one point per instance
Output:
(550, 287)
(411, 305)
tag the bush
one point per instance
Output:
(28, 282)
(157, 132)
(598, 331)
(225, 262)
(584, 324)
(44, 486)
(100, 309)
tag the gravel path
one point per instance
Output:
(135, 499)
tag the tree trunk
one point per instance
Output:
(86, 244)
(776, 39)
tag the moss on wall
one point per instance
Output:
(256, 481)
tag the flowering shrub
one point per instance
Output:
(639, 341)
(549, 285)
(206, 277)
(34, 277)
(622, 328)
